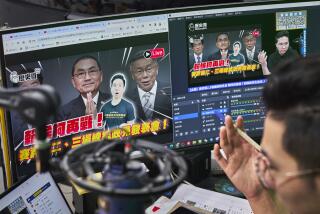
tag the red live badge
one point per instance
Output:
(256, 33)
(154, 53)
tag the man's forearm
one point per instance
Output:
(263, 203)
(265, 70)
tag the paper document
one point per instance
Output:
(200, 201)
(212, 201)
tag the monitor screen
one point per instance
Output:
(37, 194)
(112, 74)
(221, 58)
(125, 76)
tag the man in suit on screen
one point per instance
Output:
(250, 51)
(150, 96)
(86, 79)
(197, 55)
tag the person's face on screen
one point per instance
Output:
(144, 72)
(282, 45)
(197, 47)
(236, 48)
(290, 190)
(117, 89)
(249, 42)
(29, 83)
(223, 42)
(87, 77)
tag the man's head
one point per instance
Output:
(197, 44)
(236, 48)
(282, 42)
(291, 135)
(31, 82)
(117, 85)
(249, 40)
(222, 41)
(144, 71)
(86, 75)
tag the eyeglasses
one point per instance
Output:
(82, 74)
(266, 176)
(148, 69)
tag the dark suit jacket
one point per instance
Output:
(192, 60)
(255, 57)
(217, 55)
(18, 128)
(76, 107)
(162, 102)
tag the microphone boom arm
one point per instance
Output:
(36, 106)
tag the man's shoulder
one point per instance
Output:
(71, 109)
(274, 54)
(133, 91)
(106, 105)
(127, 102)
(292, 52)
(74, 102)
(216, 54)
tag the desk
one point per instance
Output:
(219, 183)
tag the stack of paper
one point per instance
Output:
(200, 201)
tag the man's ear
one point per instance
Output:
(101, 78)
(132, 75)
(157, 68)
(73, 83)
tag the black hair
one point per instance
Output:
(281, 34)
(83, 58)
(246, 34)
(197, 37)
(202, 42)
(139, 55)
(118, 76)
(292, 95)
(221, 33)
(237, 43)
(29, 70)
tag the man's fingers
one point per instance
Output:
(239, 122)
(224, 142)
(218, 157)
(231, 131)
(89, 96)
(90, 108)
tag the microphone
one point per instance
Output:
(36, 106)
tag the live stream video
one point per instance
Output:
(111, 95)
(223, 55)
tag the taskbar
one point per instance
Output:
(192, 143)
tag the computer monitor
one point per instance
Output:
(105, 66)
(36, 194)
(214, 58)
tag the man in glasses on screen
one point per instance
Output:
(288, 165)
(223, 45)
(150, 95)
(86, 79)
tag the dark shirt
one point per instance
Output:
(275, 58)
(217, 55)
(236, 60)
(113, 116)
